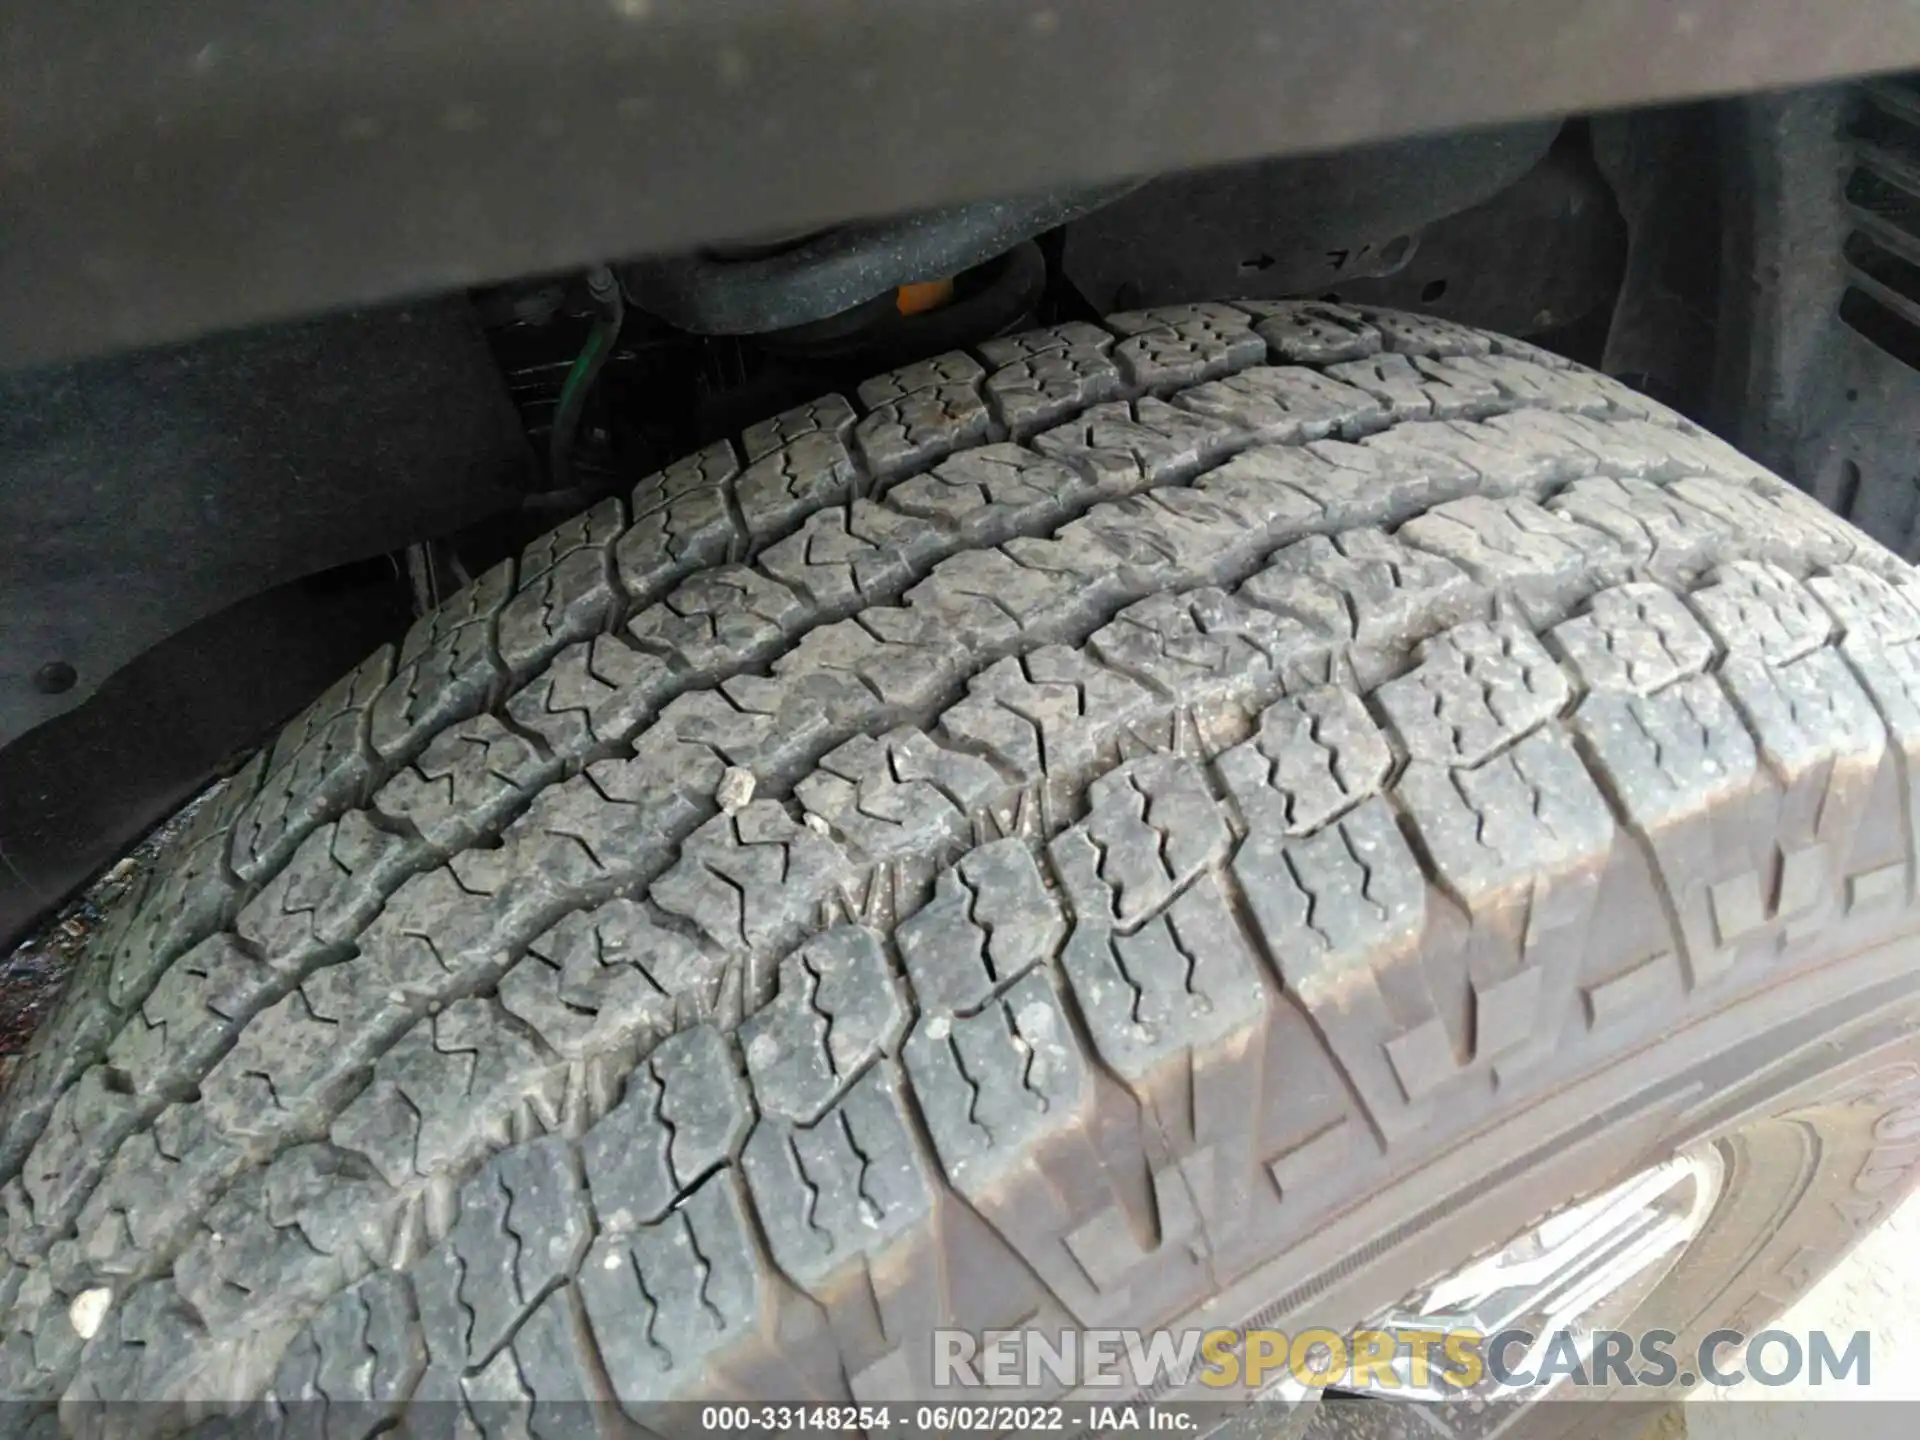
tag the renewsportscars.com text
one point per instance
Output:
(1422, 1360)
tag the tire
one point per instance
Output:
(1219, 816)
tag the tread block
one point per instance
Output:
(39, 1351)
(682, 520)
(889, 387)
(193, 1010)
(713, 618)
(467, 773)
(684, 1111)
(438, 1094)
(1303, 332)
(1660, 532)
(1367, 589)
(1341, 914)
(897, 794)
(545, 1378)
(987, 600)
(1205, 646)
(987, 495)
(921, 413)
(62, 1165)
(315, 769)
(900, 654)
(1315, 756)
(187, 896)
(279, 1243)
(1046, 714)
(997, 1085)
(565, 592)
(1677, 763)
(803, 474)
(1478, 688)
(150, 1189)
(1285, 405)
(1778, 522)
(589, 829)
(837, 1008)
(1509, 460)
(1806, 716)
(1408, 334)
(326, 893)
(1369, 483)
(363, 1352)
(1582, 446)
(1419, 388)
(1759, 609)
(1867, 606)
(1823, 742)
(446, 668)
(1529, 814)
(1175, 986)
(592, 691)
(328, 1195)
(1167, 537)
(991, 920)
(146, 1341)
(1522, 381)
(1040, 389)
(1175, 345)
(1667, 756)
(1545, 561)
(1046, 340)
(666, 1297)
(830, 416)
(1121, 446)
(1152, 826)
(1520, 843)
(1684, 449)
(1890, 675)
(1637, 638)
(602, 979)
(751, 880)
(840, 1189)
(523, 1228)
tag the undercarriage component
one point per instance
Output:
(1542, 258)
(1296, 226)
(335, 156)
(778, 287)
(144, 492)
(1819, 359)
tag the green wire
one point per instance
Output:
(579, 382)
